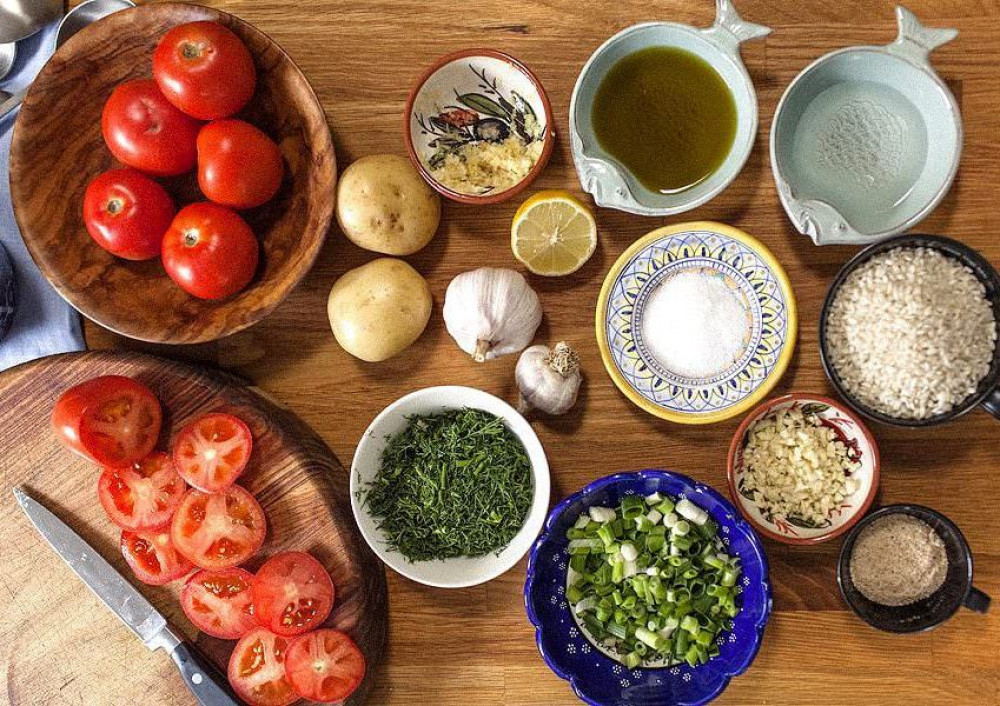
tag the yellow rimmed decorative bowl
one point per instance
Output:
(762, 287)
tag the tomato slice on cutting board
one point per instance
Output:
(142, 496)
(220, 602)
(257, 669)
(324, 666)
(292, 593)
(112, 420)
(218, 530)
(153, 557)
(211, 452)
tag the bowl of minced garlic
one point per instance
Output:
(907, 568)
(803, 469)
(479, 126)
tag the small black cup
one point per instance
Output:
(957, 590)
(987, 393)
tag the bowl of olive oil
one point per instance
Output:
(664, 116)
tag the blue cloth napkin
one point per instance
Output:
(44, 324)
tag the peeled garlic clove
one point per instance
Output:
(548, 379)
(491, 312)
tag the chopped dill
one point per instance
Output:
(456, 483)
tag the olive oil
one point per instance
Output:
(665, 115)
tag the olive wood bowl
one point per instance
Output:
(58, 148)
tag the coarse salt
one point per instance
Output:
(695, 324)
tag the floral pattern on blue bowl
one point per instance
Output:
(749, 270)
(601, 681)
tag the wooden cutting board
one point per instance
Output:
(59, 644)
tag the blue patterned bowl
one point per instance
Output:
(757, 280)
(600, 680)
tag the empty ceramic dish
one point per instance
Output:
(479, 126)
(648, 352)
(607, 178)
(866, 140)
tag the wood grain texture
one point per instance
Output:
(475, 647)
(58, 644)
(58, 149)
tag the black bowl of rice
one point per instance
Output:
(907, 568)
(909, 333)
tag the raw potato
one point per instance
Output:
(384, 205)
(379, 309)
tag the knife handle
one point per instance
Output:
(208, 685)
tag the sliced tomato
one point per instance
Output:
(142, 496)
(324, 666)
(112, 420)
(292, 593)
(218, 530)
(211, 452)
(257, 669)
(220, 603)
(153, 557)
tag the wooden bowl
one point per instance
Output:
(57, 149)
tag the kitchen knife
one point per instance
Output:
(207, 684)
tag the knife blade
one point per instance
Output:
(103, 579)
(125, 601)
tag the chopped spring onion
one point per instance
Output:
(689, 511)
(651, 580)
(602, 514)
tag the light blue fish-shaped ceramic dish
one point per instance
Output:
(613, 186)
(866, 140)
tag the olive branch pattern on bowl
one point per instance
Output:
(479, 126)
(861, 448)
(748, 269)
(487, 116)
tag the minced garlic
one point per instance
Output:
(795, 467)
(483, 167)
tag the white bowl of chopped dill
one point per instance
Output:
(450, 486)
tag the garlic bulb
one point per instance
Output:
(491, 312)
(548, 379)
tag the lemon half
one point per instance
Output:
(553, 233)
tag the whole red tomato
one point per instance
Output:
(210, 251)
(204, 69)
(127, 213)
(144, 130)
(238, 165)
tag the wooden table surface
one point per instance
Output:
(476, 646)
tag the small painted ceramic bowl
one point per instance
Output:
(472, 104)
(607, 180)
(463, 571)
(861, 446)
(757, 281)
(600, 680)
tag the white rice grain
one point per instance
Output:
(911, 333)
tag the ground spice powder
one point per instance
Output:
(898, 560)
